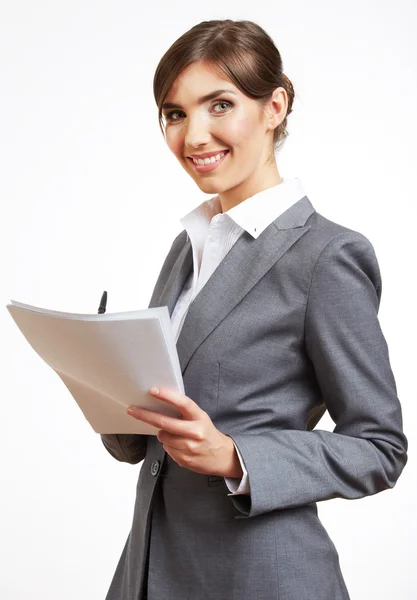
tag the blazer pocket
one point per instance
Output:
(214, 480)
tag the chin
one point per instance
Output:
(209, 187)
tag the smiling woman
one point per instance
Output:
(274, 309)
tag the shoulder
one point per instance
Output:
(341, 258)
(328, 237)
(179, 240)
(176, 246)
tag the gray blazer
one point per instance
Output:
(285, 328)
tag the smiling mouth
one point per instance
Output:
(207, 167)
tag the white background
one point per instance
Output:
(91, 199)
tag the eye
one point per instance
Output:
(169, 116)
(222, 102)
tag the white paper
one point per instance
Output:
(107, 361)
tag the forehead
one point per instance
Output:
(198, 79)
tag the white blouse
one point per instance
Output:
(212, 234)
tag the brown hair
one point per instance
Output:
(240, 50)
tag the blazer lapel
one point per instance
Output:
(242, 267)
(176, 280)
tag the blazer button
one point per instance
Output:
(155, 467)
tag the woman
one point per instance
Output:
(274, 308)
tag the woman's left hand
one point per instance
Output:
(193, 441)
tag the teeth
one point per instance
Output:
(208, 161)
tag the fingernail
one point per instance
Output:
(154, 390)
(130, 410)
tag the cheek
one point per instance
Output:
(174, 142)
(239, 131)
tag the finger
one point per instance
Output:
(177, 442)
(188, 408)
(171, 424)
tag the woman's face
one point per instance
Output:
(229, 121)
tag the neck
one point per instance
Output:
(251, 186)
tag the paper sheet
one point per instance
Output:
(107, 361)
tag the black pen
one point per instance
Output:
(103, 302)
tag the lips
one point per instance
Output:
(220, 152)
(210, 166)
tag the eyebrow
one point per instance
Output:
(201, 100)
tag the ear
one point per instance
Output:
(277, 107)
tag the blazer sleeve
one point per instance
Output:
(367, 450)
(126, 447)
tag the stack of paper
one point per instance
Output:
(107, 361)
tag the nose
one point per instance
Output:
(197, 134)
